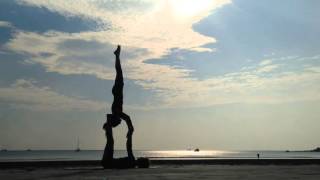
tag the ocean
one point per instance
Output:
(62, 155)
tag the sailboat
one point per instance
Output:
(78, 146)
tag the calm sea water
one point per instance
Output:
(53, 155)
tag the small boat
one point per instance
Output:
(196, 150)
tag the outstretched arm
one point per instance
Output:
(128, 121)
(129, 146)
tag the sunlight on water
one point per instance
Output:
(188, 153)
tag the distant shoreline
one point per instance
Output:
(313, 150)
(21, 150)
(96, 163)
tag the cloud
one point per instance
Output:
(250, 85)
(6, 24)
(147, 34)
(157, 25)
(24, 94)
(313, 69)
(151, 33)
(85, 54)
(152, 26)
(53, 51)
(268, 68)
(265, 62)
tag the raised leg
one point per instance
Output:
(117, 89)
(119, 77)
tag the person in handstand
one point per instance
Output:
(114, 120)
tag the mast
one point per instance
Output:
(78, 145)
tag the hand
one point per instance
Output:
(105, 126)
(117, 51)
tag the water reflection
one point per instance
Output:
(188, 153)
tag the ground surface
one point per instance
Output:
(187, 172)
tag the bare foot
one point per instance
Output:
(117, 51)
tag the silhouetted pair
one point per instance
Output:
(114, 120)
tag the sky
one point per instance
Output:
(211, 74)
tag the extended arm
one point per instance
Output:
(127, 119)
(129, 146)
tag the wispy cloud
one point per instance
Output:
(5, 24)
(25, 94)
(251, 85)
(265, 62)
(268, 68)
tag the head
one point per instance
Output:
(143, 162)
(113, 120)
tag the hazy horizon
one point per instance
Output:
(216, 74)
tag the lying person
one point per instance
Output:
(109, 162)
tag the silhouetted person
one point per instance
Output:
(258, 155)
(117, 91)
